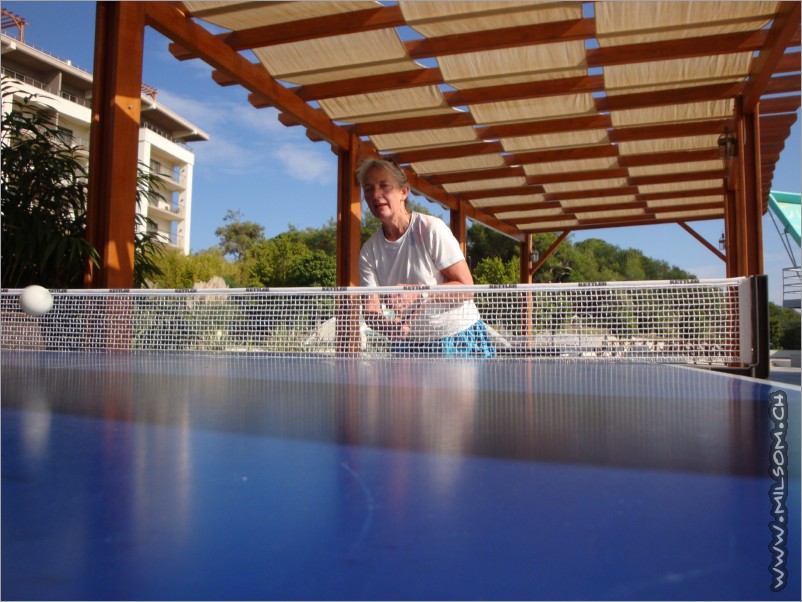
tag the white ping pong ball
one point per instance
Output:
(36, 300)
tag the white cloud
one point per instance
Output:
(307, 164)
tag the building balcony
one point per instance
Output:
(165, 210)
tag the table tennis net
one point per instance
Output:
(688, 321)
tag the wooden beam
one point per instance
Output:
(440, 196)
(494, 39)
(648, 220)
(539, 219)
(628, 54)
(114, 138)
(694, 207)
(678, 194)
(702, 240)
(375, 83)
(382, 17)
(499, 209)
(562, 154)
(781, 104)
(298, 31)
(545, 126)
(693, 176)
(478, 174)
(668, 130)
(578, 176)
(591, 194)
(499, 192)
(782, 84)
(785, 25)
(661, 98)
(447, 152)
(169, 19)
(669, 157)
(412, 124)
(790, 62)
(547, 253)
(537, 89)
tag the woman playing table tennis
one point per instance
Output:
(415, 249)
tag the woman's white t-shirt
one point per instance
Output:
(427, 247)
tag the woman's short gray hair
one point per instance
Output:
(390, 167)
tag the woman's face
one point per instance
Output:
(384, 195)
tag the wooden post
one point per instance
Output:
(749, 214)
(114, 139)
(525, 255)
(349, 228)
(457, 221)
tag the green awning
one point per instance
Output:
(786, 206)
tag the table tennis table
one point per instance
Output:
(158, 476)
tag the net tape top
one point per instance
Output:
(680, 321)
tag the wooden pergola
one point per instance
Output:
(527, 117)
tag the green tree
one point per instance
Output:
(44, 190)
(238, 236)
(493, 270)
(44, 202)
(183, 271)
(784, 327)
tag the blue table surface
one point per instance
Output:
(177, 477)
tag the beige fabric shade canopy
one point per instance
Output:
(527, 117)
(544, 115)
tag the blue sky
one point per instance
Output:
(275, 176)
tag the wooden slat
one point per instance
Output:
(647, 220)
(781, 84)
(499, 192)
(168, 18)
(543, 33)
(789, 62)
(370, 19)
(375, 83)
(545, 126)
(702, 240)
(475, 174)
(669, 97)
(785, 25)
(668, 130)
(781, 104)
(412, 124)
(711, 174)
(564, 154)
(539, 220)
(665, 158)
(537, 89)
(678, 194)
(447, 152)
(675, 49)
(591, 194)
(578, 176)
(499, 209)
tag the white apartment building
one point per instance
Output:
(66, 92)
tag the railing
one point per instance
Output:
(792, 287)
(169, 238)
(73, 98)
(174, 175)
(50, 54)
(153, 128)
(25, 79)
(174, 208)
